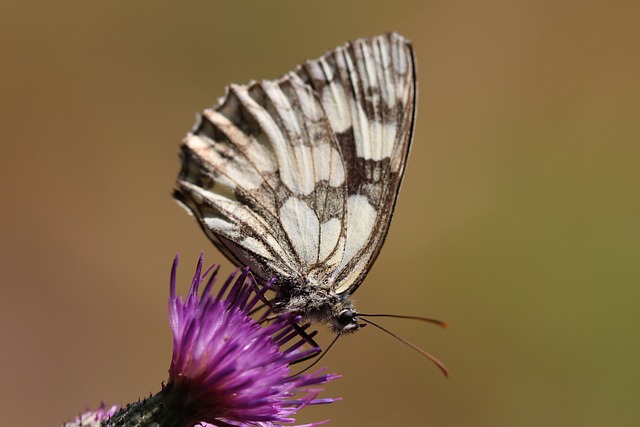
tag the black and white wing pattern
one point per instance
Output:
(298, 177)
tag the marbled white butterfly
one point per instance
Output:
(298, 177)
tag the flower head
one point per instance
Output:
(229, 369)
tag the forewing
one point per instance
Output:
(368, 90)
(263, 175)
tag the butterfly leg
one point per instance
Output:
(301, 330)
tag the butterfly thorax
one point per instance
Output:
(316, 304)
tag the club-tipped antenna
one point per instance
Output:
(320, 356)
(429, 356)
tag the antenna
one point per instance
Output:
(440, 323)
(432, 358)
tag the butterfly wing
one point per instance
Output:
(298, 177)
(368, 90)
(262, 174)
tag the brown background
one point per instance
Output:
(518, 220)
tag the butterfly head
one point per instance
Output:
(345, 322)
(340, 314)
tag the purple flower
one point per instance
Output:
(229, 369)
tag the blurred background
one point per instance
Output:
(518, 221)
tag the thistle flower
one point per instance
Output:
(227, 369)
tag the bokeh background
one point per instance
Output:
(518, 221)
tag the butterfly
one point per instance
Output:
(298, 177)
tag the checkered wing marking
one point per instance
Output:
(262, 174)
(368, 91)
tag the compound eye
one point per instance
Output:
(346, 317)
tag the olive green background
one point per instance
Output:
(518, 221)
